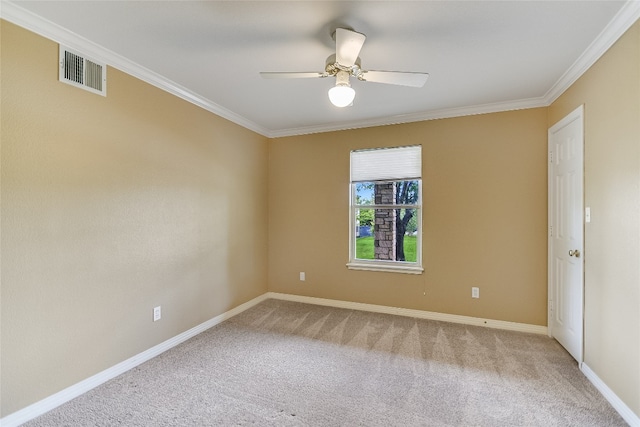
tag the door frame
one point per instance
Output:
(578, 113)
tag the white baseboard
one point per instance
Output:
(57, 399)
(45, 405)
(421, 314)
(625, 412)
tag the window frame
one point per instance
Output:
(384, 265)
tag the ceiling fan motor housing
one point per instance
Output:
(342, 78)
(332, 67)
(346, 62)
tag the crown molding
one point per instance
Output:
(15, 14)
(416, 117)
(624, 19)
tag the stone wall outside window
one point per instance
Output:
(385, 222)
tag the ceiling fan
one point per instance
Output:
(345, 64)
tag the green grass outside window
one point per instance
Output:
(364, 248)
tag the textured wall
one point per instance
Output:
(610, 92)
(484, 219)
(111, 206)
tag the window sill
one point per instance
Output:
(406, 269)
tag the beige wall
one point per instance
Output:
(610, 92)
(485, 204)
(111, 206)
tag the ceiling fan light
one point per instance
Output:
(342, 95)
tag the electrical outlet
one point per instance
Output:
(302, 276)
(157, 313)
(475, 292)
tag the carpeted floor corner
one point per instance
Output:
(290, 364)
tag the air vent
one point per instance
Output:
(78, 70)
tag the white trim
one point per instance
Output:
(550, 209)
(47, 404)
(447, 113)
(407, 312)
(624, 19)
(628, 14)
(385, 267)
(625, 412)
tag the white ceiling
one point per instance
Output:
(481, 55)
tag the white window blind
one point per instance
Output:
(386, 164)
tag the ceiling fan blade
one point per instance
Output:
(396, 78)
(348, 45)
(294, 75)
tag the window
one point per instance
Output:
(386, 210)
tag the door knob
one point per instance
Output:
(575, 253)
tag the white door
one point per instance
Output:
(566, 233)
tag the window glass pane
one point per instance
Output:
(406, 192)
(364, 193)
(409, 232)
(364, 220)
(386, 234)
(387, 193)
(364, 247)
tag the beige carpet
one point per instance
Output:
(290, 364)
